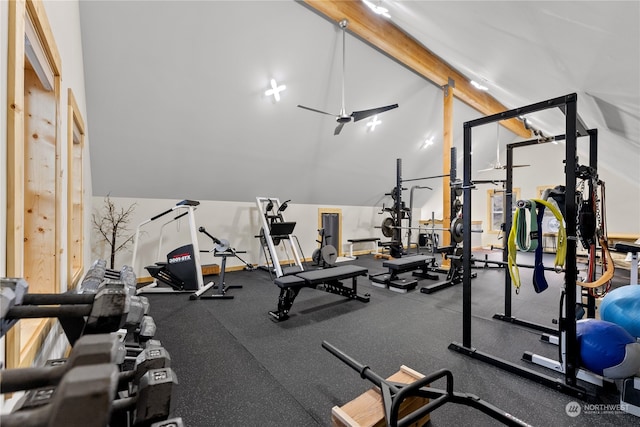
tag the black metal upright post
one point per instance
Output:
(397, 232)
(508, 219)
(466, 238)
(593, 163)
(569, 324)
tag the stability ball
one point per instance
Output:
(607, 349)
(622, 307)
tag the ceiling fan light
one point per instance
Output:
(371, 124)
(275, 90)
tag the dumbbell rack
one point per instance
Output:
(115, 374)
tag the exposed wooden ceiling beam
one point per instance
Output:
(391, 40)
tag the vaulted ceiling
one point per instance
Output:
(177, 108)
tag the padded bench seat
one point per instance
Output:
(407, 263)
(316, 277)
(373, 240)
(326, 279)
(403, 265)
(289, 281)
(634, 248)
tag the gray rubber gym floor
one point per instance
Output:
(236, 367)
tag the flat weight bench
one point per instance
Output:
(328, 280)
(399, 266)
(374, 240)
(633, 249)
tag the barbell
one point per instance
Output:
(389, 224)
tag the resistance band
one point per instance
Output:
(561, 245)
(526, 231)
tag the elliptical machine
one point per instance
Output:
(182, 272)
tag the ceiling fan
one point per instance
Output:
(497, 165)
(342, 117)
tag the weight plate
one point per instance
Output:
(456, 230)
(457, 206)
(329, 254)
(387, 227)
(223, 246)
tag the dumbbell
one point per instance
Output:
(99, 272)
(84, 397)
(12, 291)
(106, 311)
(94, 276)
(151, 402)
(127, 380)
(89, 350)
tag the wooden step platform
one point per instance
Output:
(367, 410)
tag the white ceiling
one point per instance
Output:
(176, 104)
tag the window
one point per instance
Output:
(495, 208)
(550, 224)
(33, 168)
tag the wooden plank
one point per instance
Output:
(15, 162)
(367, 409)
(394, 42)
(75, 191)
(447, 143)
(40, 225)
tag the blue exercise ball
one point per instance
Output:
(622, 307)
(607, 349)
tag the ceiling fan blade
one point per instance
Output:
(338, 129)
(359, 115)
(317, 111)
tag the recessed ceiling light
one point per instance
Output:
(427, 143)
(478, 85)
(275, 90)
(377, 9)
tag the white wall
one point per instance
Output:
(64, 18)
(237, 222)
